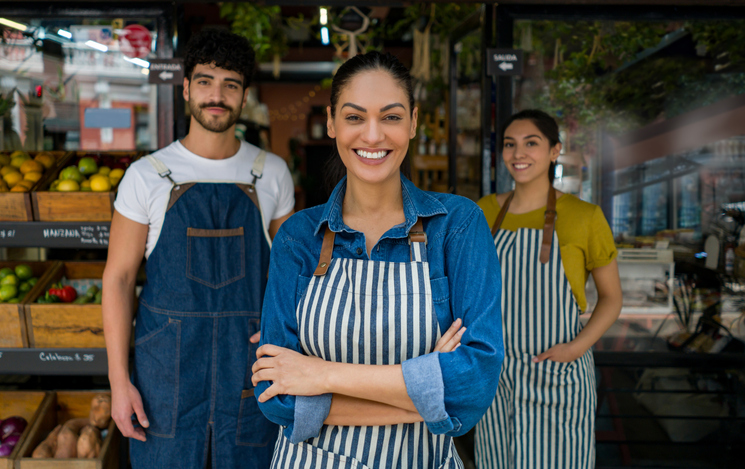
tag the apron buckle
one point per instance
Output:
(418, 237)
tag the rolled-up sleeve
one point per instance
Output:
(302, 416)
(453, 390)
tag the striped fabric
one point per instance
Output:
(543, 415)
(374, 313)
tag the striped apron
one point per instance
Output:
(373, 313)
(543, 415)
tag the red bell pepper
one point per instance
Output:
(66, 294)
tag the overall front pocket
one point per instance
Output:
(156, 372)
(215, 258)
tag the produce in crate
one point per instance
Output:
(11, 430)
(19, 172)
(16, 283)
(81, 437)
(92, 173)
(59, 293)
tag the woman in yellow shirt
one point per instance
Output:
(548, 243)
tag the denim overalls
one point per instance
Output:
(198, 308)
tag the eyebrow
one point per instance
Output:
(383, 109)
(524, 138)
(211, 77)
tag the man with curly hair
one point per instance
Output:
(203, 212)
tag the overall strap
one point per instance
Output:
(257, 171)
(327, 249)
(160, 168)
(548, 224)
(418, 242)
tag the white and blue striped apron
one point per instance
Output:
(543, 415)
(373, 313)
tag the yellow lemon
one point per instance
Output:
(19, 188)
(4, 159)
(13, 178)
(19, 153)
(26, 183)
(32, 176)
(116, 173)
(31, 166)
(86, 183)
(18, 161)
(7, 169)
(45, 159)
(68, 185)
(105, 170)
(100, 184)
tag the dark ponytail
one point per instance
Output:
(546, 125)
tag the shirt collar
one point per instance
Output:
(417, 203)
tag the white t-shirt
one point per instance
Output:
(143, 195)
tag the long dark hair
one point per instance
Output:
(546, 125)
(334, 168)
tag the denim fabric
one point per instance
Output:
(465, 280)
(192, 362)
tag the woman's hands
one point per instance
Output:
(561, 353)
(295, 374)
(450, 340)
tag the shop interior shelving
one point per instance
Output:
(54, 361)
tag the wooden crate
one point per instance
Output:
(26, 404)
(76, 206)
(66, 405)
(66, 325)
(18, 206)
(13, 333)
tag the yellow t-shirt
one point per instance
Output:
(585, 239)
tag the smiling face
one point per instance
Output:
(372, 125)
(215, 96)
(527, 152)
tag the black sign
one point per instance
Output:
(79, 361)
(166, 71)
(504, 62)
(93, 235)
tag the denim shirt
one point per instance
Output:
(451, 391)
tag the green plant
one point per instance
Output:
(261, 25)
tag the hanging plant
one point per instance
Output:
(263, 26)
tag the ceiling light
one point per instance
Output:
(325, 36)
(136, 61)
(97, 46)
(65, 34)
(13, 24)
(324, 16)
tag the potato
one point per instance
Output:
(100, 411)
(67, 440)
(47, 448)
(89, 443)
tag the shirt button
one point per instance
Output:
(359, 251)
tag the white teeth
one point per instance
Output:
(372, 155)
(521, 166)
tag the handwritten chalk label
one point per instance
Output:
(7, 233)
(86, 234)
(55, 357)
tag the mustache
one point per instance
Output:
(220, 105)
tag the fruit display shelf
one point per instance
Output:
(31, 169)
(77, 235)
(66, 195)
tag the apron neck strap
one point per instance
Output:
(418, 242)
(327, 249)
(160, 168)
(549, 222)
(257, 171)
